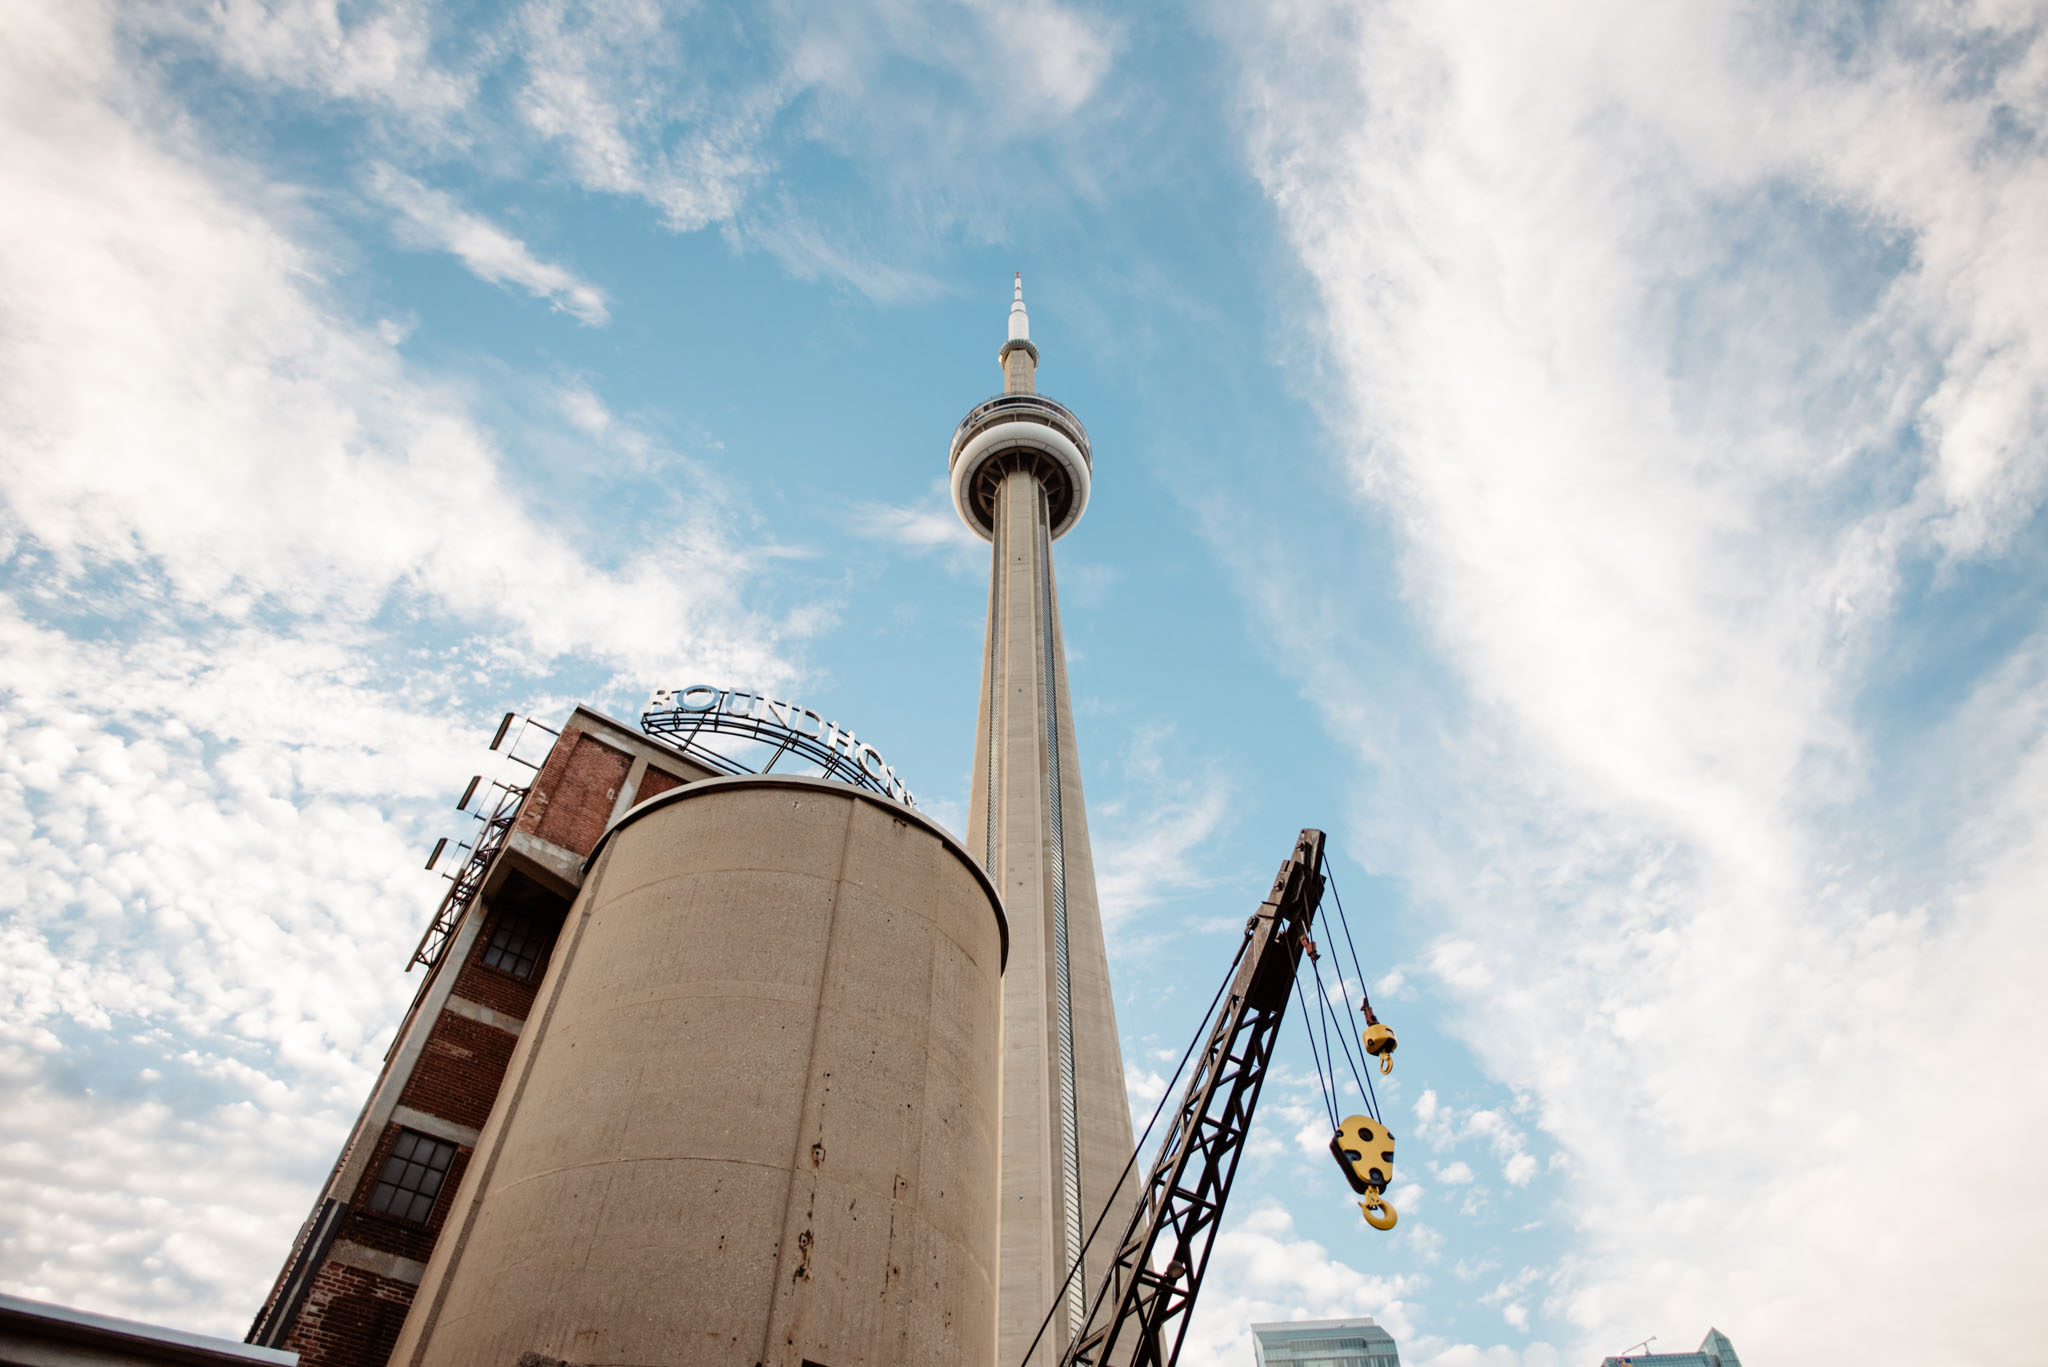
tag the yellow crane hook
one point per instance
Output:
(1376, 1202)
(1364, 1149)
(1380, 1043)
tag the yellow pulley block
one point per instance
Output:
(1364, 1150)
(1380, 1042)
(1375, 1202)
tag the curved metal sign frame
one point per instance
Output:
(793, 736)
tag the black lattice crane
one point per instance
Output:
(1141, 1313)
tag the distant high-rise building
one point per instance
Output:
(1020, 467)
(1356, 1342)
(1714, 1351)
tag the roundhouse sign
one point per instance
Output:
(782, 732)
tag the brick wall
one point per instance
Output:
(459, 1071)
(572, 798)
(493, 987)
(351, 1318)
(388, 1233)
(654, 782)
(539, 798)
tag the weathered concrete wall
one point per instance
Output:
(754, 1115)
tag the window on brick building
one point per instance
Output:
(412, 1176)
(517, 942)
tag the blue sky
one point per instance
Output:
(1589, 459)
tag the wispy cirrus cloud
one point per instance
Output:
(226, 508)
(431, 219)
(169, 341)
(1148, 855)
(925, 527)
(380, 54)
(618, 100)
(612, 86)
(1695, 355)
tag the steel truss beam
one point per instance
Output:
(466, 882)
(1141, 1313)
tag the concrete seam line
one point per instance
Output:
(796, 1154)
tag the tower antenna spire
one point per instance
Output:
(1019, 358)
(1020, 326)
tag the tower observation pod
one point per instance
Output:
(1021, 468)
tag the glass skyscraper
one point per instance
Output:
(1714, 1351)
(1325, 1343)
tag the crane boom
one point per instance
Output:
(1141, 1312)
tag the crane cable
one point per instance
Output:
(1323, 1075)
(1202, 1029)
(1323, 1014)
(1362, 1145)
(1351, 945)
(1329, 1017)
(1344, 923)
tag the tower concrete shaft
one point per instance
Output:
(1020, 479)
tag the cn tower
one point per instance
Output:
(1020, 477)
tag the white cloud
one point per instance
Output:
(177, 391)
(211, 867)
(626, 99)
(1260, 1270)
(1443, 1128)
(609, 85)
(1510, 1287)
(1026, 64)
(1426, 1242)
(1506, 1295)
(378, 53)
(432, 219)
(924, 527)
(621, 91)
(1144, 1086)
(1453, 1174)
(1145, 859)
(583, 408)
(636, 449)
(812, 250)
(227, 504)
(1678, 344)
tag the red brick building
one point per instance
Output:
(345, 1289)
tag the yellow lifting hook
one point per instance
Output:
(1380, 1042)
(1375, 1202)
(1364, 1149)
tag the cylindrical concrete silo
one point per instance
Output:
(754, 1116)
